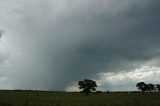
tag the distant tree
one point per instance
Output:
(98, 91)
(158, 87)
(87, 85)
(142, 86)
(150, 87)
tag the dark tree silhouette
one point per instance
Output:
(142, 86)
(150, 87)
(87, 86)
(158, 87)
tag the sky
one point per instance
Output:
(53, 44)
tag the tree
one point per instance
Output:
(150, 87)
(158, 87)
(87, 85)
(141, 86)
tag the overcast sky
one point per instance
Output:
(52, 44)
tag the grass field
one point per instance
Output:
(37, 98)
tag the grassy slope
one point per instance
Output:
(24, 98)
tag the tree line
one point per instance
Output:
(148, 87)
(88, 86)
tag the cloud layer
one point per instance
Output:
(52, 44)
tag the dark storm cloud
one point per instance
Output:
(67, 41)
(112, 43)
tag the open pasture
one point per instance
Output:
(38, 98)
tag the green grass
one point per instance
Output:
(36, 98)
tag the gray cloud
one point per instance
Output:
(2, 55)
(67, 41)
(1, 33)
